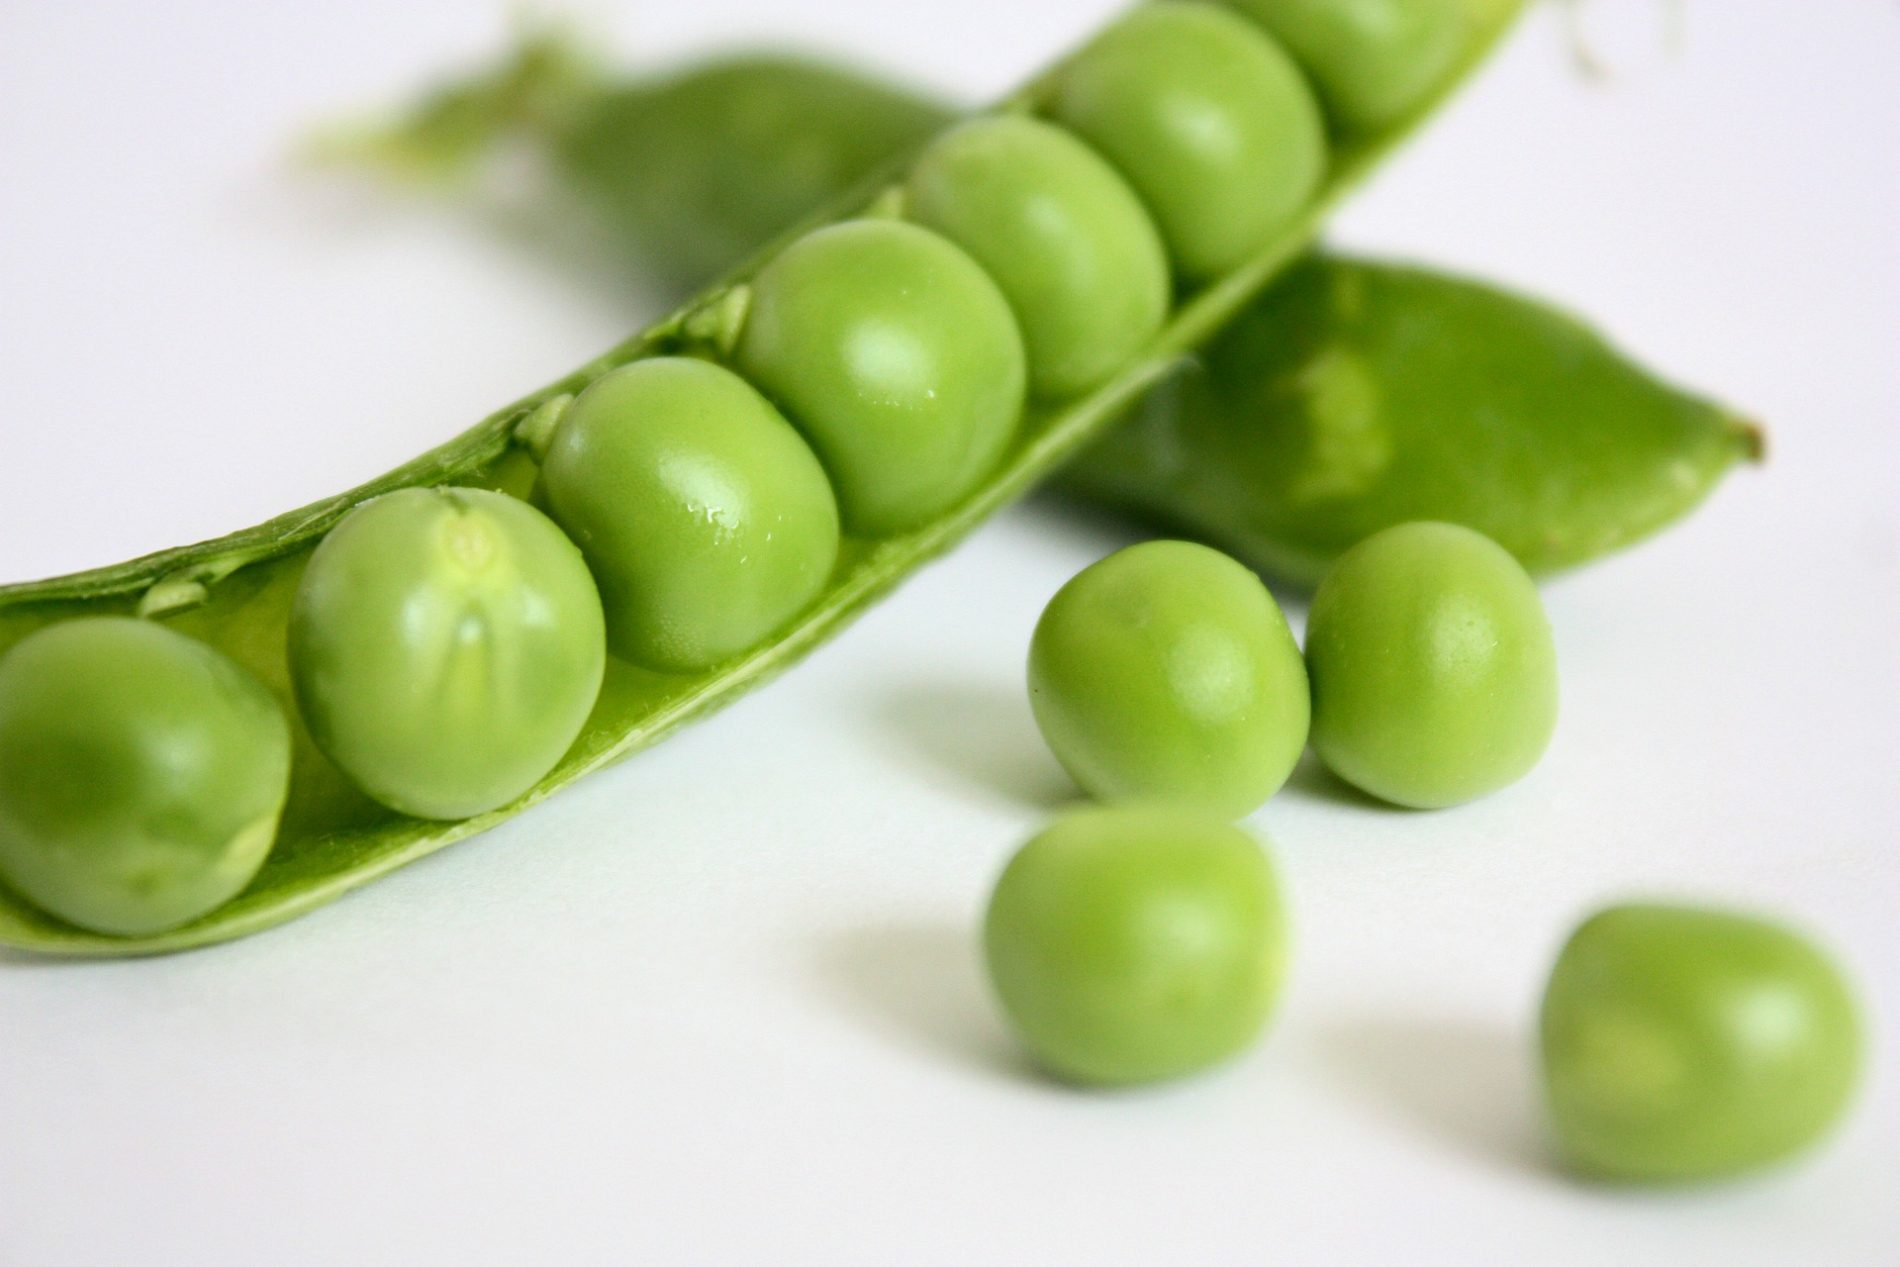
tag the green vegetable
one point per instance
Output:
(1434, 674)
(899, 359)
(1372, 60)
(142, 774)
(446, 644)
(1063, 235)
(1349, 397)
(1354, 396)
(705, 518)
(1684, 1044)
(1209, 120)
(236, 594)
(1166, 670)
(1138, 942)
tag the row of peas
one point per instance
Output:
(447, 645)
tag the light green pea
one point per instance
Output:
(1683, 1044)
(1373, 61)
(707, 521)
(142, 774)
(1166, 670)
(1064, 236)
(1434, 672)
(1137, 942)
(446, 645)
(897, 357)
(1210, 121)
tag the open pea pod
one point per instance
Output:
(236, 594)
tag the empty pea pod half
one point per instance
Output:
(1348, 397)
(813, 346)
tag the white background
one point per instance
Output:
(719, 1005)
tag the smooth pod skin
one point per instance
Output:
(707, 521)
(1063, 235)
(1210, 121)
(1683, 1044)
(142, 774)
(446, 645)
(1134, 943)
(788, 135)
(1374, 62)
(897, 357)
(1166, 670)
(1353, 396)
(1433, 668)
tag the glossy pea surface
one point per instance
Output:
(446, 645)
(1210, 121)
(705, 517)
(1373, 61)
(1134, 943)
(142, 774)
(1062, 234)
(1682, 1043)
(897, 357)
(1433, 668)
(1166, 670)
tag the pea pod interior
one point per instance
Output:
(236, 593)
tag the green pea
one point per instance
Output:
(897, 357)
(1137, 942)
(446, 645)
(142, 774)
(1166, 670)
(1373, 61)
(1064, 237)
(705, 518)
(1434, 674)
(1682, 1044)
(1209, 120)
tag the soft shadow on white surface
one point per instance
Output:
(1465, 1084)
(980, 733)
(920, 985)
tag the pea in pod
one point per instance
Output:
(886, 363)
(1349, 397)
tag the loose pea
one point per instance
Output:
(446, 645)
(707, 521)
(1137, 942)
(1209, 120)
(1373, 61)
(142, 774)
(1434, 674)
(1166, 670)
(897, 357)
(1063, 235)
(1682, 1044)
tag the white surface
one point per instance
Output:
(718, 1005)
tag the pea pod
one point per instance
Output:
(1350, 397)
(237, 594)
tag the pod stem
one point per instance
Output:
(535, 88)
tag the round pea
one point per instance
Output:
(897, 357)
(1166, 670)
(446, 645)
(1434, 673)
(142, 774)
(706, 519)
(1373, 61)
(1209, 120)
(1682, 1044)
(1136, 942)
(1063, 235)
